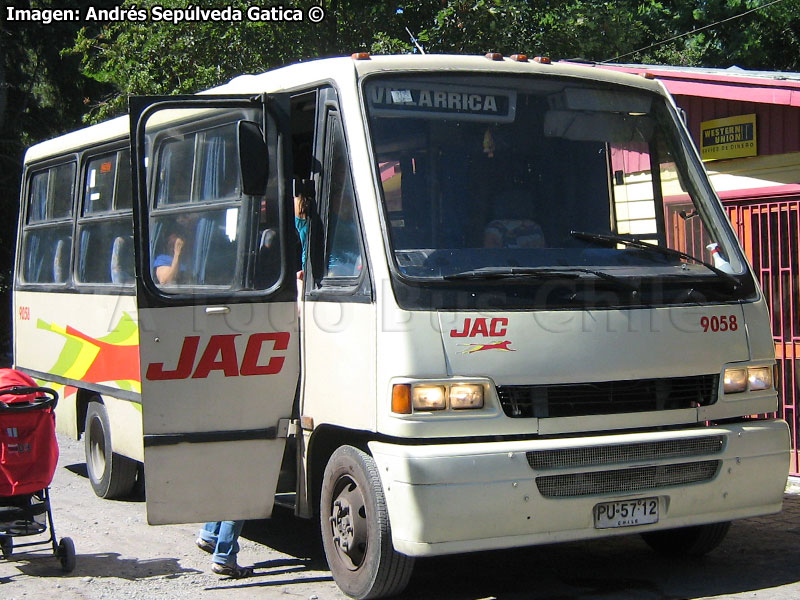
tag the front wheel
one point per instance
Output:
(355, 528)
(687, 541)
(66, 554)
(111, 475)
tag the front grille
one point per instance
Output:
(625, 453)
(626, 480)
(608, 397)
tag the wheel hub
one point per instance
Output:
(348, 525)
(342, 525)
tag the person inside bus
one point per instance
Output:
(168, 266)
(301, 210)
(220, 539)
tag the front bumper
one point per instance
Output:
(452, 498)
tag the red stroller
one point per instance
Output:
(28, 457)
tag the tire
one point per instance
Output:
(687, 541)
(111, 475)
(66, 554)
(355, 528)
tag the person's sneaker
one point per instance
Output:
(232, 571)
(204, 545)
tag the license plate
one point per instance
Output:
(626, 513)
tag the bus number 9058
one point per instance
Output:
(715, 323)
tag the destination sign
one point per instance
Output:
(434, 100)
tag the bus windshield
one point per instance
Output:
(495, 177)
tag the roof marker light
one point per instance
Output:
(648, 75)
(360, 56)
(494, 56)
(519, 57)
(542, 60)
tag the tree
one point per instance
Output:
(54, 76)
(42, 94)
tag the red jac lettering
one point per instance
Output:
(220, 355)
(224, 347)
(156, 372)
(250, 366)
(495, 328)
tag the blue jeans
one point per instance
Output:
(223, 534)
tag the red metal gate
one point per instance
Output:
(768, 232)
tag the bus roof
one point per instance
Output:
(344, 70)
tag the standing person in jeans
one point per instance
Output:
(219, 538)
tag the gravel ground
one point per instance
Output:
(120, 556)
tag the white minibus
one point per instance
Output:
(522, 317)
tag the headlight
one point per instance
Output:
(428, 397)
(735, 381)
(466, 395)
(759, 378)
(409, 398)
(740, 379)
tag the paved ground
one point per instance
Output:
(119, 555)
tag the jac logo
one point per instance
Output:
(480, 327)
(220, 355)
(500, 345)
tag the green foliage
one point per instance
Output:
(42, 94)
(170, 58)
(53, 76)
(166, 58)
(480, 26)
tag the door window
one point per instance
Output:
(343, 253)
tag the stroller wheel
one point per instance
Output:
(6, 545)
(66, 554)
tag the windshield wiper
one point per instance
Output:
(642, 245)
(507, 272)
(539, 272)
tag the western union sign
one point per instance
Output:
(732, 137)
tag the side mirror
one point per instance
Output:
(252, 158)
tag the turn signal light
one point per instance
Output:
(401, 399)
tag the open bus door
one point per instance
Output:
(219, 346)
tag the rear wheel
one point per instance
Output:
(355, 528)
(112, 475)
(687, 541)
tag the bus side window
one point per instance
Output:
(47, 235)
(105, 227)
